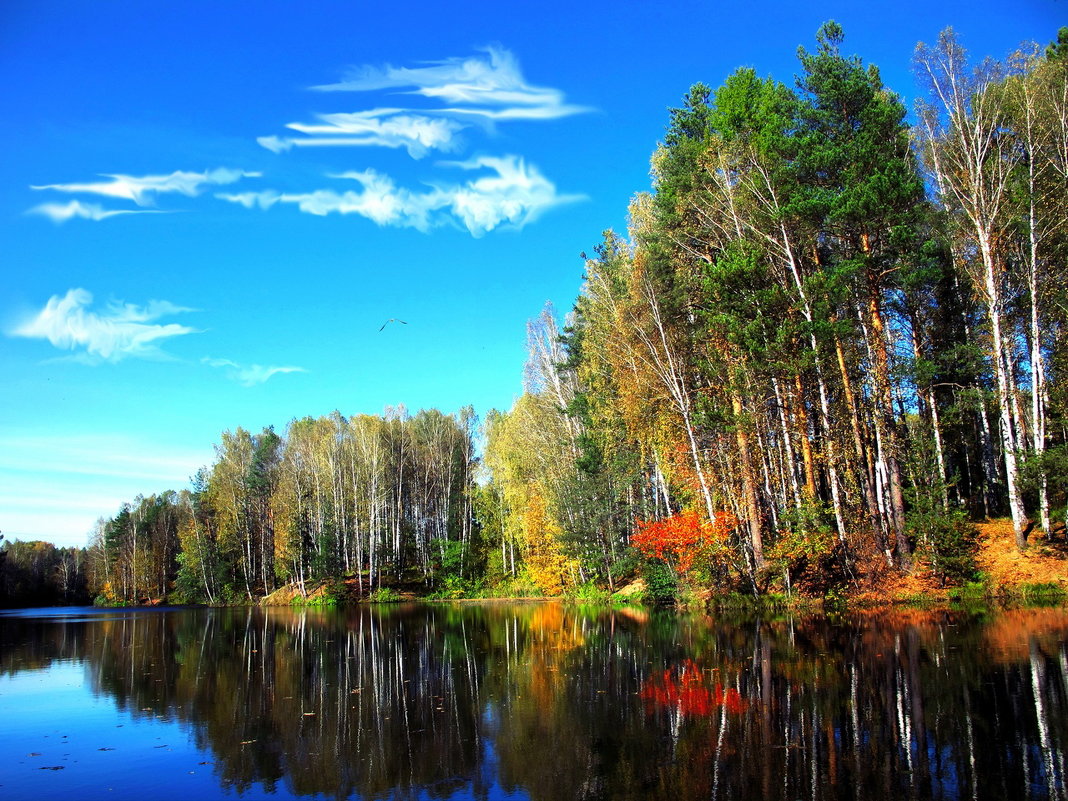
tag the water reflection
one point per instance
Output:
(553, 702)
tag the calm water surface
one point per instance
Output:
(537, 701)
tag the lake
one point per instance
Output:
(538, 701)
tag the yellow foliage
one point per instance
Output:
(546, 561)
(524, 453)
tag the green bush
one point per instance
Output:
(520, 586)
(589, 592)
(454, 587)
(661, 585)
(835, 599)
(383, 595)
(948, 542)
(971, 591)
(1042, 592)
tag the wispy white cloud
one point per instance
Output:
(382, 127)
(122, 330)
(61, 212)
(512, 194)
(491, 84)
(263, 200)
(379, 199)
(143, 189)
(484, 89)
(252, 374)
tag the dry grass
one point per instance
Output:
(1005, 568)
(1044, 561)
(879, 583)
(285, 596)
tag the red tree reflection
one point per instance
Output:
(685, 688)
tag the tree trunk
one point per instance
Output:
(803, 425)
(863, 457)
(993, 300)
(884, 420)
(752, 504)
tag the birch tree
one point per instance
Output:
(972, 157)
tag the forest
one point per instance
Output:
(830, 341)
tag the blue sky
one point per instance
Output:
(208, 210)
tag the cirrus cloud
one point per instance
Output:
(61, 212)
(383, 127)
(513, 194)
(249, 375)
(484, 89)
(143, 189)
(120, 331)
(491, 84)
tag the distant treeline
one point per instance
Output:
(365, 497)
(829, 340)
(40, 574)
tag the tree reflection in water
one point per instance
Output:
(556, 702)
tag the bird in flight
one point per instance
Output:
(392, 320)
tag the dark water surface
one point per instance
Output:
(536, 701)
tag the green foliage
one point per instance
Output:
(589, 592)
(1058, 50)
(383, 595)
(454, 587)
(1043, 592)
(661, 583)
(521, 586)
(947, 541)
(944, 538)
(980, 592)
(324, 599)
(1053, 465)
(835, 599)
(451, 555)
(187, 584)
(971, 592)
(626, 565)
(805, 537)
